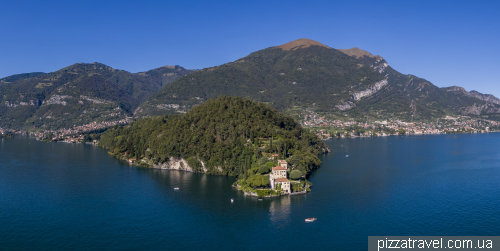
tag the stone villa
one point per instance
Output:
(283, 163)
(278, 176)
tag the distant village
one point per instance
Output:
(323, 127)
(72, 135)
(328, 128)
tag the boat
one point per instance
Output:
(347, 156)
(176, 188)
(232, 200)
(310, 219)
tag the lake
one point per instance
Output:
(56, 196)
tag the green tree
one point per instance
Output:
(264, 169)
(295, 174)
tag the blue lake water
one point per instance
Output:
(56, 196)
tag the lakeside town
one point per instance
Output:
(333, 128)
(322, 126)
(75, 134)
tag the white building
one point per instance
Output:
(279, 177)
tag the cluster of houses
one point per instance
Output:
(278, 177)
(71, 135)
(448, 124)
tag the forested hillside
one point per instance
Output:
(224, 136)
(312, 74)
(301, 74)
(78, 94)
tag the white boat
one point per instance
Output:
(232, 200)
(176, 188)
(347, 156)
(310, 219)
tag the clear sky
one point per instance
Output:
(446, 42)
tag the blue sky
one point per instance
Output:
(446, 42)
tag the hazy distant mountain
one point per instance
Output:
(77, 94)
(306, 73)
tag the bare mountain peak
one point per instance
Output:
(168, 66)
(358, 53)
(300, 43)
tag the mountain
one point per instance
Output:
(152, 81)
(409, 98)
(77, 94)
(307, 74)
(358, 53)
(300, 73)
(224, 136)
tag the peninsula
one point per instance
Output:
(231, 136)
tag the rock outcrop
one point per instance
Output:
(346, 106)
(368, 92)
(175, 164)
(180, 164)
(56, 99)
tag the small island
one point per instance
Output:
(230, 136)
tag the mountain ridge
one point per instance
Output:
(301, 74)
(305, 73)
(80, 93)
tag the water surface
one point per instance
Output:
(75, 196)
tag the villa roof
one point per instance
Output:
(279, 168)
(281, 161)
(281, 180)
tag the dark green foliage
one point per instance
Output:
(304, 161)
(195, 164)
(215, 133)
(297, 187)
(270, 164)
(93, 135)
(267, 192)
(295, 174)
(264, 170)
(253, 171)
(258, 181)
(17, 77)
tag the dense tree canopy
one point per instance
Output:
(218, 135)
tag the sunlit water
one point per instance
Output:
(56, 196)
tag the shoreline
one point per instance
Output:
(410, 134)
